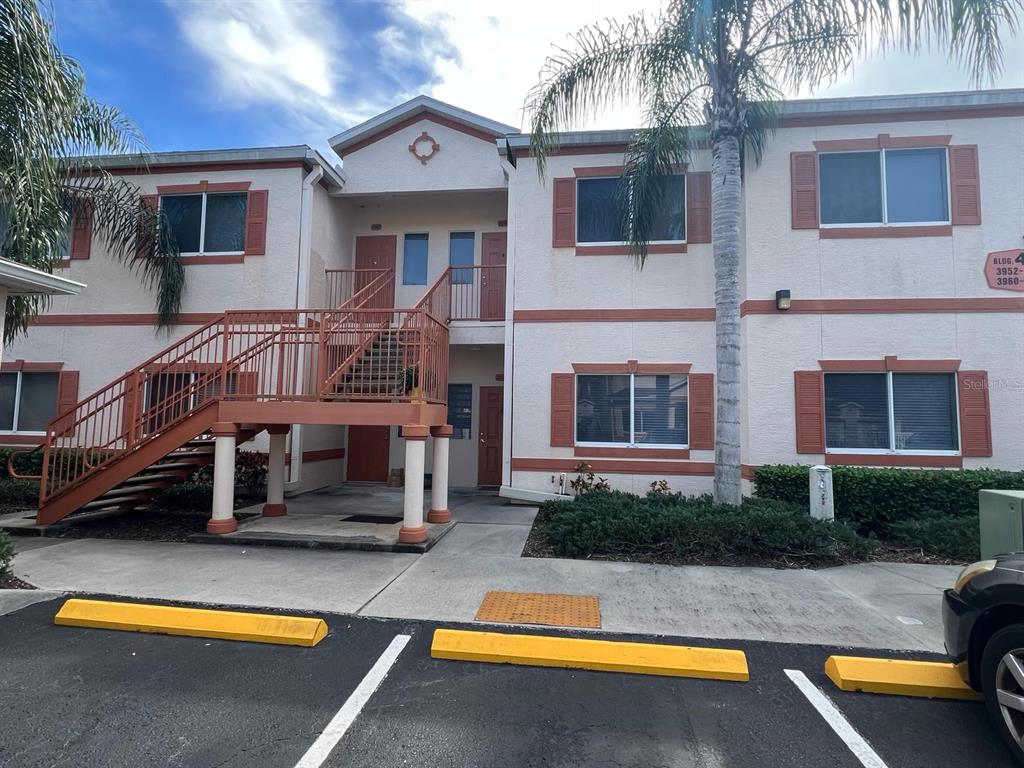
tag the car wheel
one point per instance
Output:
(1002, 681)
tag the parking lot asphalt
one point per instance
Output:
(84, 697)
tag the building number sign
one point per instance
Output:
(1005, 270)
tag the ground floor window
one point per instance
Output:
(460, 410)
(28, 401)
(632, 409)
(890, 412)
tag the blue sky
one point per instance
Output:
(235, 73)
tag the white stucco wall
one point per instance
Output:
(387, 165)
(437, 215)
(476, 365)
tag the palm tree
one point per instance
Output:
(49, 130)
(724, 65)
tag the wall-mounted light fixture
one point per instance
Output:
(782, 301)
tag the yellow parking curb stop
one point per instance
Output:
(600, 655)
(926, 679)
(193, 622)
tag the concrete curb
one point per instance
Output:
(925, 679)
(192, 622)
(599, 655)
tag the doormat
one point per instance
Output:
(540, 608)
(379, 519)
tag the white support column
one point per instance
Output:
(222, 519)
(413, 531)
(275, 506)
(439, 477)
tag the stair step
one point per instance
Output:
(104, 503)
(122, 490)
(176, 465)
(144, 479)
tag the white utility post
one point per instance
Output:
(413, 531)
(820, 487)
(439, 476)
(275, 506)
(222, 519)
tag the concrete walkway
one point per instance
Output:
(879, 605)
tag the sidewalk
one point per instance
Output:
(869, 605)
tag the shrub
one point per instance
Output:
(6, 554)
(19, 493)
(956, 537)
(874, 498)
(621, 523)
(189, 495)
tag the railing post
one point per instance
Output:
(227, 356)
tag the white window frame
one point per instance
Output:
(890, 405)
(587, 243)
(17, 405)
(632, 414)
(202, 224)
(885, 200)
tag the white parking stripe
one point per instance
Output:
(353, 705)
(857, 743)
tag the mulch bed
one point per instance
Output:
(537, 545)
(13, 582)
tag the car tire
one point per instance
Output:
(996, 675)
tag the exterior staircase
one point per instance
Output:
(151, 428)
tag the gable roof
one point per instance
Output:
(421, 107)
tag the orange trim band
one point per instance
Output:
(631, 366)
(184, 318)
(883, 141)
(854, 233)
(617, 466)
(893, 460)
(614, 170)
(412, 120)
(444, 430)
(241, 165)
(204, 186)
(889, 363)
(30, 367)
(883, 306)
(224, 429)
(231, 258)
(415, 431)
(695, 314)
(623, 250)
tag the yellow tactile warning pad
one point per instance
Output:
(540, 608)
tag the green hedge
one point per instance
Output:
(955, 537)
(875, 498)
(616, 523)
(6, 554)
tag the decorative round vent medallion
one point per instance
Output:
(424, 147)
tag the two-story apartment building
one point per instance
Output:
(882, 316)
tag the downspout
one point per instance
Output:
(301, 295)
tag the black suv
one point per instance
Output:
(983, 618)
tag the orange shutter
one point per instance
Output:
(698, 207)
(702, 411)
(563, 398)
(965, 187)
(975, 419)
(144, 241)
(81, 230)
(563, 221)
(803, 180)
(67, 391)
(810, 411)
(256, 223)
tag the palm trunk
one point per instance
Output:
(725, 210)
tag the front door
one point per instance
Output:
(368, 453)
(489, 457)
(376, 252)
(492, 281)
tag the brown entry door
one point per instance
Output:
(368, 453)
(489, 461)
(376, 252)
(492, 281)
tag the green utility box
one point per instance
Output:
(1001, 516)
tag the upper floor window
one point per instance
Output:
(632, 409)
(207, 223)
(414, 260)
(461, 253)
(599, 218)
(886, 186)
(891, 412)
(28, 401)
